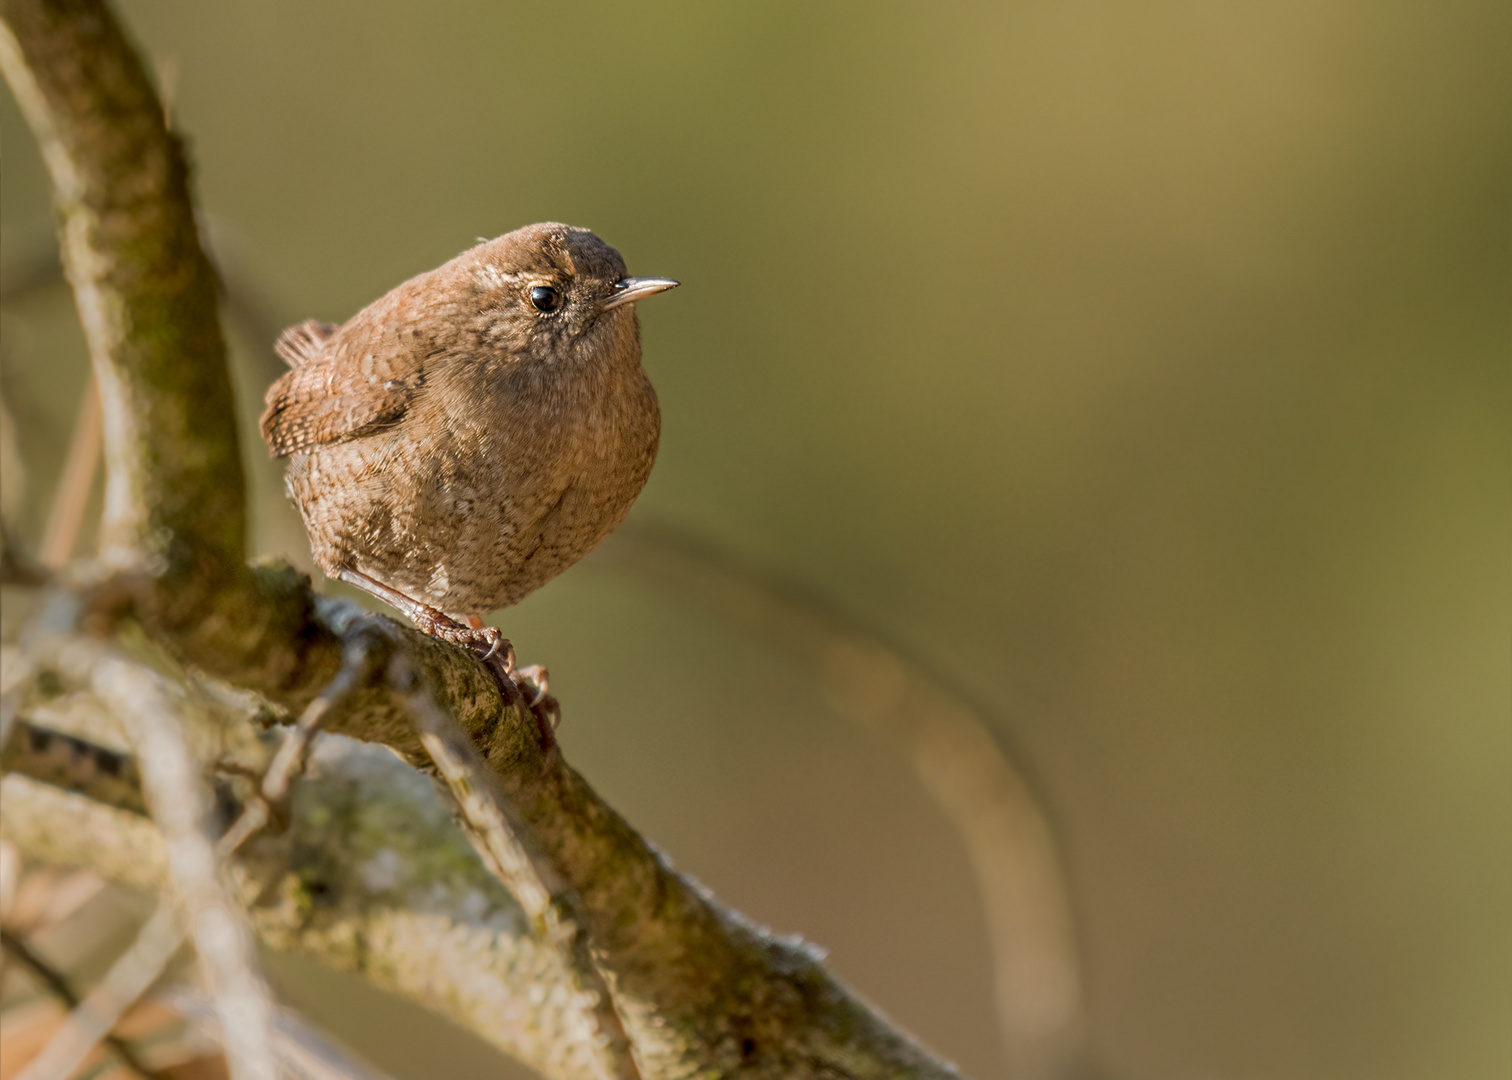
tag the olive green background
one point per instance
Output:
(1142, 367)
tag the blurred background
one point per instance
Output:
(1142, 369)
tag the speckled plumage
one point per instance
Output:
(456, 444)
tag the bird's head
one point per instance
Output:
(553, 293)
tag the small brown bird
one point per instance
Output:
(464, 439)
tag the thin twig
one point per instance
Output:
(166, 68)
(50, 977)
(359, 661)
(10, 878)
(292, 755)
(48, 895)
(131, 976)
(547, 903)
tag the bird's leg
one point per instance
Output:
(488, 642)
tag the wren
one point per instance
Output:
(464, 439)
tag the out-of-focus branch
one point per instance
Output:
(954, 752)
(304, 1052)
(58, 985)
(65, 519)
(174, 498)
(180, 805)
(372, 875)
(91, 1020)
(16, 566)
(144, 962)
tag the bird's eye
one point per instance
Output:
(545, 298)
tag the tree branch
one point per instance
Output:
(174, 500)
(91, 1020)
(553, 911)
(180, 804)
(372, 876)
(55, 982)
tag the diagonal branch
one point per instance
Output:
(65, 518)
(144, 962)
(372, 876)
(553, 911)
(698, 986)
(91, 1019)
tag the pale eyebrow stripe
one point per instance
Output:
(490, 275)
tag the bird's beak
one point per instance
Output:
(629, 290)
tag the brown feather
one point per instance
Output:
(302, 343)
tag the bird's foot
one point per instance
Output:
(532, 682)
(498, 655)
(488, 642)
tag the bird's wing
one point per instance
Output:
(353, 382)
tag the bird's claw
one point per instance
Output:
(487, 642)
(532, 681)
